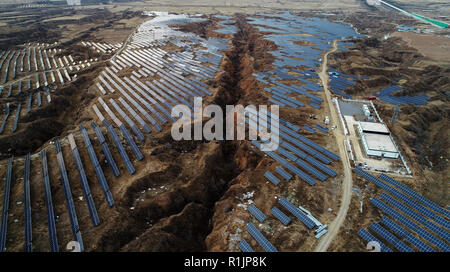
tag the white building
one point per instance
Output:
(377, 140)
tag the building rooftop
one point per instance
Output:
(380, 142)
(374, 127)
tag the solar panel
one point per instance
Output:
(272, 178)
(5, 118)
(369, 238)
(321, 128)
(127, 119)
(407, 200)
(416, 196)
(68, 194)
(283, 173)
(258, 214)
(98, 170)
(7, 192)
(405, 234)
(49, 204)
(14, 128)
(292, 168)
(262, 241)
(310, 169)
(131, 142)
(135, 115)
(296, 212)
(120, 147)
(27, 205)
(390, 237)
(277, 102)
(105, 148)
(280, 216)
(419, 218)
(309, 129)
(321, 166)
(245, 247)
(411, 225)
(84, 182)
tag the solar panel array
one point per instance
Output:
(68, 194)
(369, 238)
(245, 247)
(7, 192)
(386, 235)
(257, 213)
(98, 170)
(84, 182)
(27, 205)
(419, 198)
(272, 178)
(419, 244)
(283, 173)
(386, 94)
(106, 151)
(49, 204)
(280, 216)
(296, 212)
(407, 211)
(259, 237)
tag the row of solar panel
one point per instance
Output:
(66, 187)
(419, 218)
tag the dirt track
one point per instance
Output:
(333, 228)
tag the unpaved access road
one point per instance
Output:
(347, 184)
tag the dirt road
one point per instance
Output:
(333, 227)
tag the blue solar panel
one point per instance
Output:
(277, 102)
(369, 238)
(272, 178)
(105, 148)
(98, 170)
(262, 241)
(321, 128)
(85, 186)
(30, 100)
(309, 129)
(2, 127)
(405, 234)
(315, 105)
(296, 212)
(4, 226)
(405, 199)
(27, 205)
(280, 216)
(321, 166)
(411, 225)
(291, 167)
(245, 247)
(49, 204)
(390, 238)
(310, 169)
(131, 142)
(288, 124)
(120, 147)
(416, 196)
(419, 218)
(14, 128)
(68, 194)
(259, 215)
(283, 173)
(305, 148)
